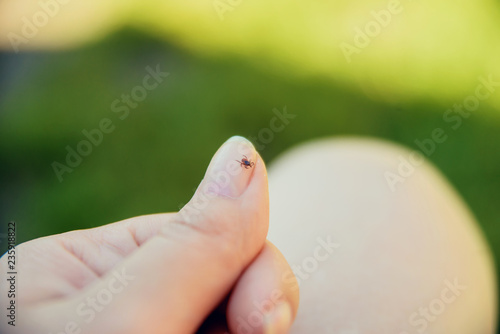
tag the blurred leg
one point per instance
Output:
(371, 260)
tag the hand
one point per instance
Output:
(166, 273)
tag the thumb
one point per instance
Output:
(176, 278)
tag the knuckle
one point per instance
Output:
(212, 236)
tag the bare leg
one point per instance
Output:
(406, 261)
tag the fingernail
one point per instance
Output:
(231, 168)
(279, 320)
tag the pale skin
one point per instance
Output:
(178, 266)
(394, 253)
(398, 249)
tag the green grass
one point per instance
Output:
(155, 158)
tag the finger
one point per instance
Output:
(266, 297)
(177, 277)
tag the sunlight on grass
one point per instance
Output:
(434, 49)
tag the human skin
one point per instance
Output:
(393, 259)
(163, 273)
(399, 251)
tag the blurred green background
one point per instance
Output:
(226, 77)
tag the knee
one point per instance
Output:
(358, 160)
(405, 235)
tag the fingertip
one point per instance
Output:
(231, 169)
(233, 196)
(266, 298)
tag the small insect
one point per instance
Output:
(246, 163)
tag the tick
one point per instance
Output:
(246, 163)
